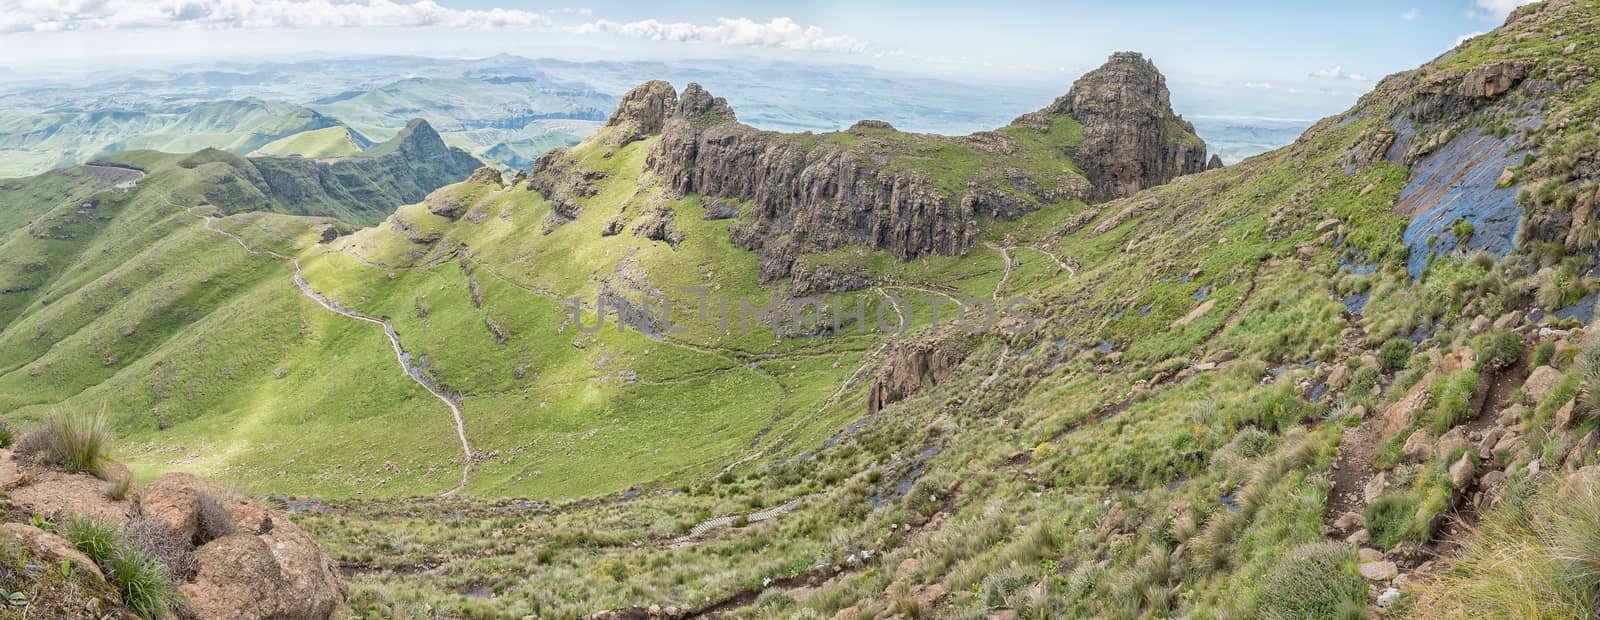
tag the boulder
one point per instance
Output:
(10, 472)
(1400, 415)
(1382, 570)
(1350, 520)
(1540, 382)
(55, 494)
(175, 499)
(1508, 320)
(1368, 554)
(1510, 416)
(51, 546)
(1563, 419)
(1453, 439)
(1418, 446)
(1375, 487)
(1461, 472)
(1491, 438)
(1494, 486)
(280, 574)
(1479, 325)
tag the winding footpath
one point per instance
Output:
(403, 358)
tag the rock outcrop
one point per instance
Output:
(1131, 138)
(247, 561)
(873, 186)
(916, 365)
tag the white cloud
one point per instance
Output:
(1411, 15)
(1466, 37)
(1260, 85)
(59, 15)
(64, 15)
(1337, 72)
(781, 32)
(1495, 10)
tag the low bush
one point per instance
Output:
(1395, 353)
(1314, 580)
(1497, 350)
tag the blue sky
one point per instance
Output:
(1324, 53)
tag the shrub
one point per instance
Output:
(1544, 353)
(1391, 519)
(158, 541)
(117, 489)
(6, 436)
(77, 442)
(212, 519)
(1497, 350)
(1535, 555)
(32, 446)
(1314, 580)
(1395, 353)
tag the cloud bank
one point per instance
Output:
(67, 15)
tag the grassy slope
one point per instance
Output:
(1232, 464)
(318, 143)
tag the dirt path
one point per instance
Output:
(401, 356)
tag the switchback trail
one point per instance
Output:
(415, 373)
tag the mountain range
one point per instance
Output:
(690, 366)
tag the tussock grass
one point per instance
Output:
(145, 582)
(1535, 555)
(77, 442)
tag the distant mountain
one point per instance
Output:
(339, 141)
(32, 142)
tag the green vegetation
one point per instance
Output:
(75, 441)
(146, 586)
(1394, 354)
(1315, 580)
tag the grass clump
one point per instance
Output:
(1452, 398)
(1392, 519)
(1498, 350)
(1534, 556)
(144, 580)
(1313, 580)
(1395, 353)
(71, 441)
(6, 434)
(1588, 405)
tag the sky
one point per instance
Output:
(1283, 50)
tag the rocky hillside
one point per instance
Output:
(913, 195)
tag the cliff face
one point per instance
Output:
(1131, 138)
(868, 186)
(912, 195)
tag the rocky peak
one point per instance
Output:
(696, 102)
(644, 111)
(1131, 138)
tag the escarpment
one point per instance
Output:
(911, 195)
(1131, 138)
